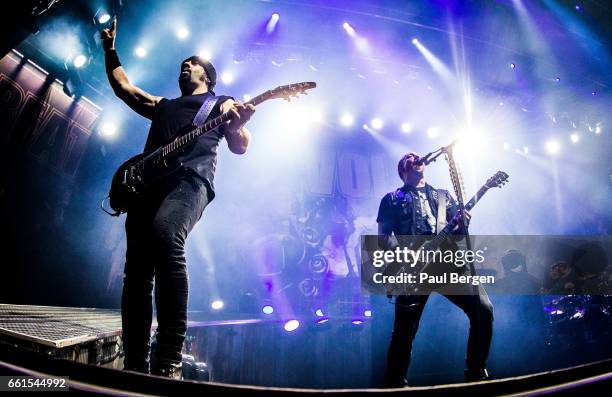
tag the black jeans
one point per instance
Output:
(408, 310)
(156, 227)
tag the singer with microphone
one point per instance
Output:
(413, 209)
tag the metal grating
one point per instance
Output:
(58, 326)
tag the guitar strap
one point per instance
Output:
(207, 107)
(441, 216)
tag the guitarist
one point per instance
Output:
(158, 224)
(413, 210)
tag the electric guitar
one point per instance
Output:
(145, 168)
(393, 269)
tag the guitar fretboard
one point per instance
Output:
(189, 137)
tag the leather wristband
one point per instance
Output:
(111, 60)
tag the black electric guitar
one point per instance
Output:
(498, 180)
(143, 169)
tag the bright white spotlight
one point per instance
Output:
(227, 78)
(406, 128)
(79, 61)
(267, 309)
(367, 313)
(347, 119)
(108, 130)
(217, 304)
(271, 25)
(512, 65)
(205, 54)
(506, 146)
(377, 123)
(415, 41)
(105, 17)
(291, 325)
(432, 133)
(552, 146)
(246, 97)
(140, 52)
(598, 128)
(525, 150)
(348, 29)
(574, 137)
(182, 33)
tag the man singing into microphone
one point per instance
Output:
(413, 210)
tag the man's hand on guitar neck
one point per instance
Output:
(457, 219)
(238, 137)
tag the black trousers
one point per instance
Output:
(157, 226)
(408, 310)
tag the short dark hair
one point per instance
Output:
(210, 70)
(401, 166)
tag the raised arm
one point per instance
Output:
(138, 100)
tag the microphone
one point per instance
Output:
(428, 157)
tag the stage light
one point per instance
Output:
(552, 146)
(319, 312)
(377, 123)
(525, 150)
(104, 17)
(598, 128)
(367, 313)
(217, 304)
(271, 25)
(292, 325)
(575, 137)
(267, 309)
(348, 29)
(357, 322)
(182, 33)
(140, 52)
(512, 65)
(557, 79)
(432, 133)
(406, 128)
(347, 119)
(79, 61)
(506, 146)
(246, 97)
(205, 54)
(415, 41)
(108, 129)
(322, 320)
(227, 78)
(594, 93)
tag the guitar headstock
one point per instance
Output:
(498, 180)
(291, 90)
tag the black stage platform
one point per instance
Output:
(84, 345)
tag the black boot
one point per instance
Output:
(476, 375)
(172, 371)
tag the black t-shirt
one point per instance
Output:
(174, 117)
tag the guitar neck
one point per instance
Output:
(194, 134)
(444, 233)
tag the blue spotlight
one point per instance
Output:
(348, 29)
(104, 17)
(79, 61)
(357, 322)
(267, 309)
(217, 304)
(291, 325)
(272, 22)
